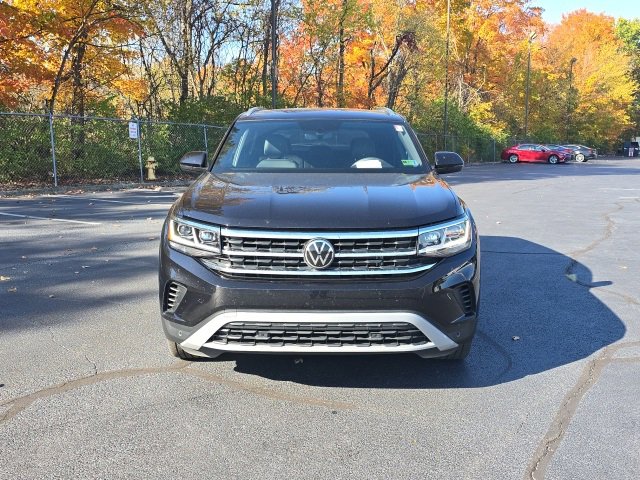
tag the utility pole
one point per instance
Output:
(275, 4)
(446, 78)
(532, 36)
(570, 98)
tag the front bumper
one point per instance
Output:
(442, 303)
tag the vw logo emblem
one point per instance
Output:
(318, 253)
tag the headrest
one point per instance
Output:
(276, 146)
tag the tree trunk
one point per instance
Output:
(186, 45)
(77, 65)
(265, 58)
(396, 77)
(275, 5)
(341, 51)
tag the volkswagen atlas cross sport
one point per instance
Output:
(319, 231)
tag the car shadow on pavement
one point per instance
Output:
(537, 313)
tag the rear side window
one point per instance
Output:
(320, 145)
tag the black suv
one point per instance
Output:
(319, 231)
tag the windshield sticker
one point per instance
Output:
(399, 128)
(410, 162)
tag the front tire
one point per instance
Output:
(553, 159)
(513, 158)
(580, 158)
(177, 351)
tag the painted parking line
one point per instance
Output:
(120, 201)
(124, 202)
(147, 194)
(48, 218)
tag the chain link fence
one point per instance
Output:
(61, 150)
(472, 149)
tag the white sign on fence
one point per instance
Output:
(133, 129)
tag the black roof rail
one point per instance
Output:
(252, 110)
(386, 110)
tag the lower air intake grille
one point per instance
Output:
(173, 296)
(466, 296)
(319, 334)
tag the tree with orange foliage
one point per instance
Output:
(21, 58)
(79, 45)
(599, 75)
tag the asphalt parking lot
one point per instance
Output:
(550, 389)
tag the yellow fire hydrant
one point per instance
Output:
(151, 166)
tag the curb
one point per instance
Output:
(71, 189)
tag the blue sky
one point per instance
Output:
(615, 8)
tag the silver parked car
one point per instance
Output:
(582, 153)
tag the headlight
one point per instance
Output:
(445, 239)
(193, 238)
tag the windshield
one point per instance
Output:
(320, 145)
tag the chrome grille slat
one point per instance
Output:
(262, 253)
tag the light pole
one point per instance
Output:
(570, 97)
(446, 79)
(532, 36)
(275, 4)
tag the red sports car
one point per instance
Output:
(534, 152)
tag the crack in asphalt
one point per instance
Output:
(608, 231)
(569, 271)
(63, 346)
(270, 393)
(92, 363)
(17, 405)
(548, 446)
(590, 375)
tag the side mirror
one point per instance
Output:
(448, 162)
(194, 162)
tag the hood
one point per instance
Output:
(319, 201)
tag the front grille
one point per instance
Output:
(280, 254)
(319, 334)
(272, 245)
(341, 246)
(297, 264)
